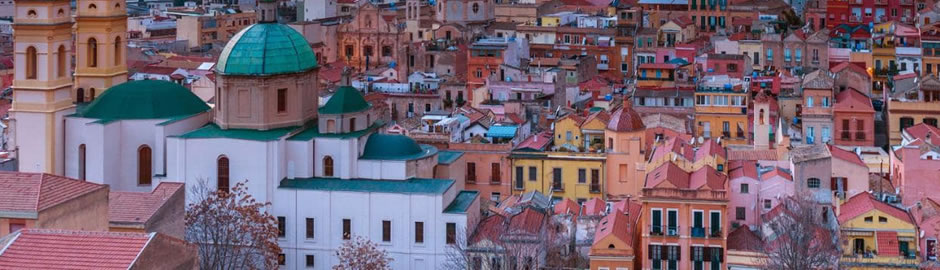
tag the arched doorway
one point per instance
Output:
(144, 165)
(327, 166)
(222, 174)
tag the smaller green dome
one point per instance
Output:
(345, 100)
(266, 49)
(395, 147)
(147, 99)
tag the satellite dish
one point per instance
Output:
(701, 139)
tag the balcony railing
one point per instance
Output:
(664, 230)
(557, 187)
(882, 261)
(846, 135)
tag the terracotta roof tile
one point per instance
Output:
(594, 207)
(616, 224)
(920, 131)
(707, 177)
(887, 243)
(709, 149)
(743, 168)
(626, 119)
(752, 154)
(846, 155)
(60, 249)
(863, 203)
(527, 221)
(33, 192)
(600, 115)
(852, 100)
(567, 206)
(776, 172)
(139, 207)
(743, 238)
(668, 171)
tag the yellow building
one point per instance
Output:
(576, 176)
(876, 235)
(908, 107)
(721, 112)
(754, 49)
(100, 30)
(574, 133)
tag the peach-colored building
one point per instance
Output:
(926, 214)
(626, 153)
(849, 173)
(616, 238)
(38, 200)
(684, 222)
(745, 188)
(487, 169)
(853, 119)
(914, 164)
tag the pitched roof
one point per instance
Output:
(667, 172)
(776, 172)
(709, 149)
(743, 168)
(616, 224)
(665, 121)
(854, 67)
(851, 100)
(863, 203)
(707, 176)
(594, 207)
(743, 238)
(567, 206)
(536, 142)
(920, 131)
(603, 116)
(61, 249)
(818, 79)
(846, 155)
(527, 221)
(34, 192)
(673, 145)
(490, 228)
(752, 154)
(139, 207)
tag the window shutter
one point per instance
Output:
(649, 255)
(707, 254)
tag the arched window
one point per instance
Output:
(31, 62)
(611, 246)
(222, 183)
(144, 165)
(31, 13)
(61, 12)
(60, 62)
(761, 116)
(91, 94)
(117, 5)
(352, 124)
(476, 7)
(81, 162)
(327, 166)
(92, 7)
(117, 51)
(80, 95)
(92, 52)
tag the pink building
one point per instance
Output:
(776, 184)
(745, 188)
(849, 173)
(854, 119)
(487, 168)
(733, 65)
(926, 214)
(915, 164)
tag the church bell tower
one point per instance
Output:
(101, 33)
(42, 83)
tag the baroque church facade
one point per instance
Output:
(326, 170)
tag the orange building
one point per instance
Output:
(626, 149)
(684, 217)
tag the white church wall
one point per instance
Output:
(300, 153)
(343, 152)
(174, 128)
(74, 137)
(133, 135)
(195, 160)
(382, 169)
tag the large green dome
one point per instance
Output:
(147, 99)
(266, 49)
(395, 147)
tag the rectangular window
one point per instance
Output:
(386, 231)
(309, 261)
(519, 177)
(451, 230)
(812, 183)
(556, 179)
(471, 172)
(347, 228)
(495, 176)
(281, 100)
(672, 222)
(309, 223)
(281, 259)
(582, 176)
(770, 55)
(744, 188)
(532, 173)
(657, 222)
(419, 232)
(715, 223)
(281, 226)
(766, 204)
(595, 180)
(740, 213)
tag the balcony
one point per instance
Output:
(660, 230)
(595, 188)
(703, 232)
(880, 261)
(557, 187)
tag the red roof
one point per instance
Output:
(34, 192)
(743, 168)
(626, 119)
(854, 66)
(776, 172)
(920, 131)
(668, 171)
(601, 115)
(673, 145)
(709, 149)
(616, 224)
(593, 83)
(851, 100)
(61, 249)
(139, 207)
(707, 176)
(490, 228)
(887, 243)
(528, 221)
(332, 72)
(537, 141)
(567, 206)
(752, 154)
(594, 207)
(743, 238)
(515, 118)
(846, 155)
(863, 203)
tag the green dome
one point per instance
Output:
(266, 49)
(345, 100)
(395, 147)
(148, 99)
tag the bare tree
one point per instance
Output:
(231, 229)
(800, 238)
(494, 244)
(360, 253)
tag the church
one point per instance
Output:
(326, 170)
